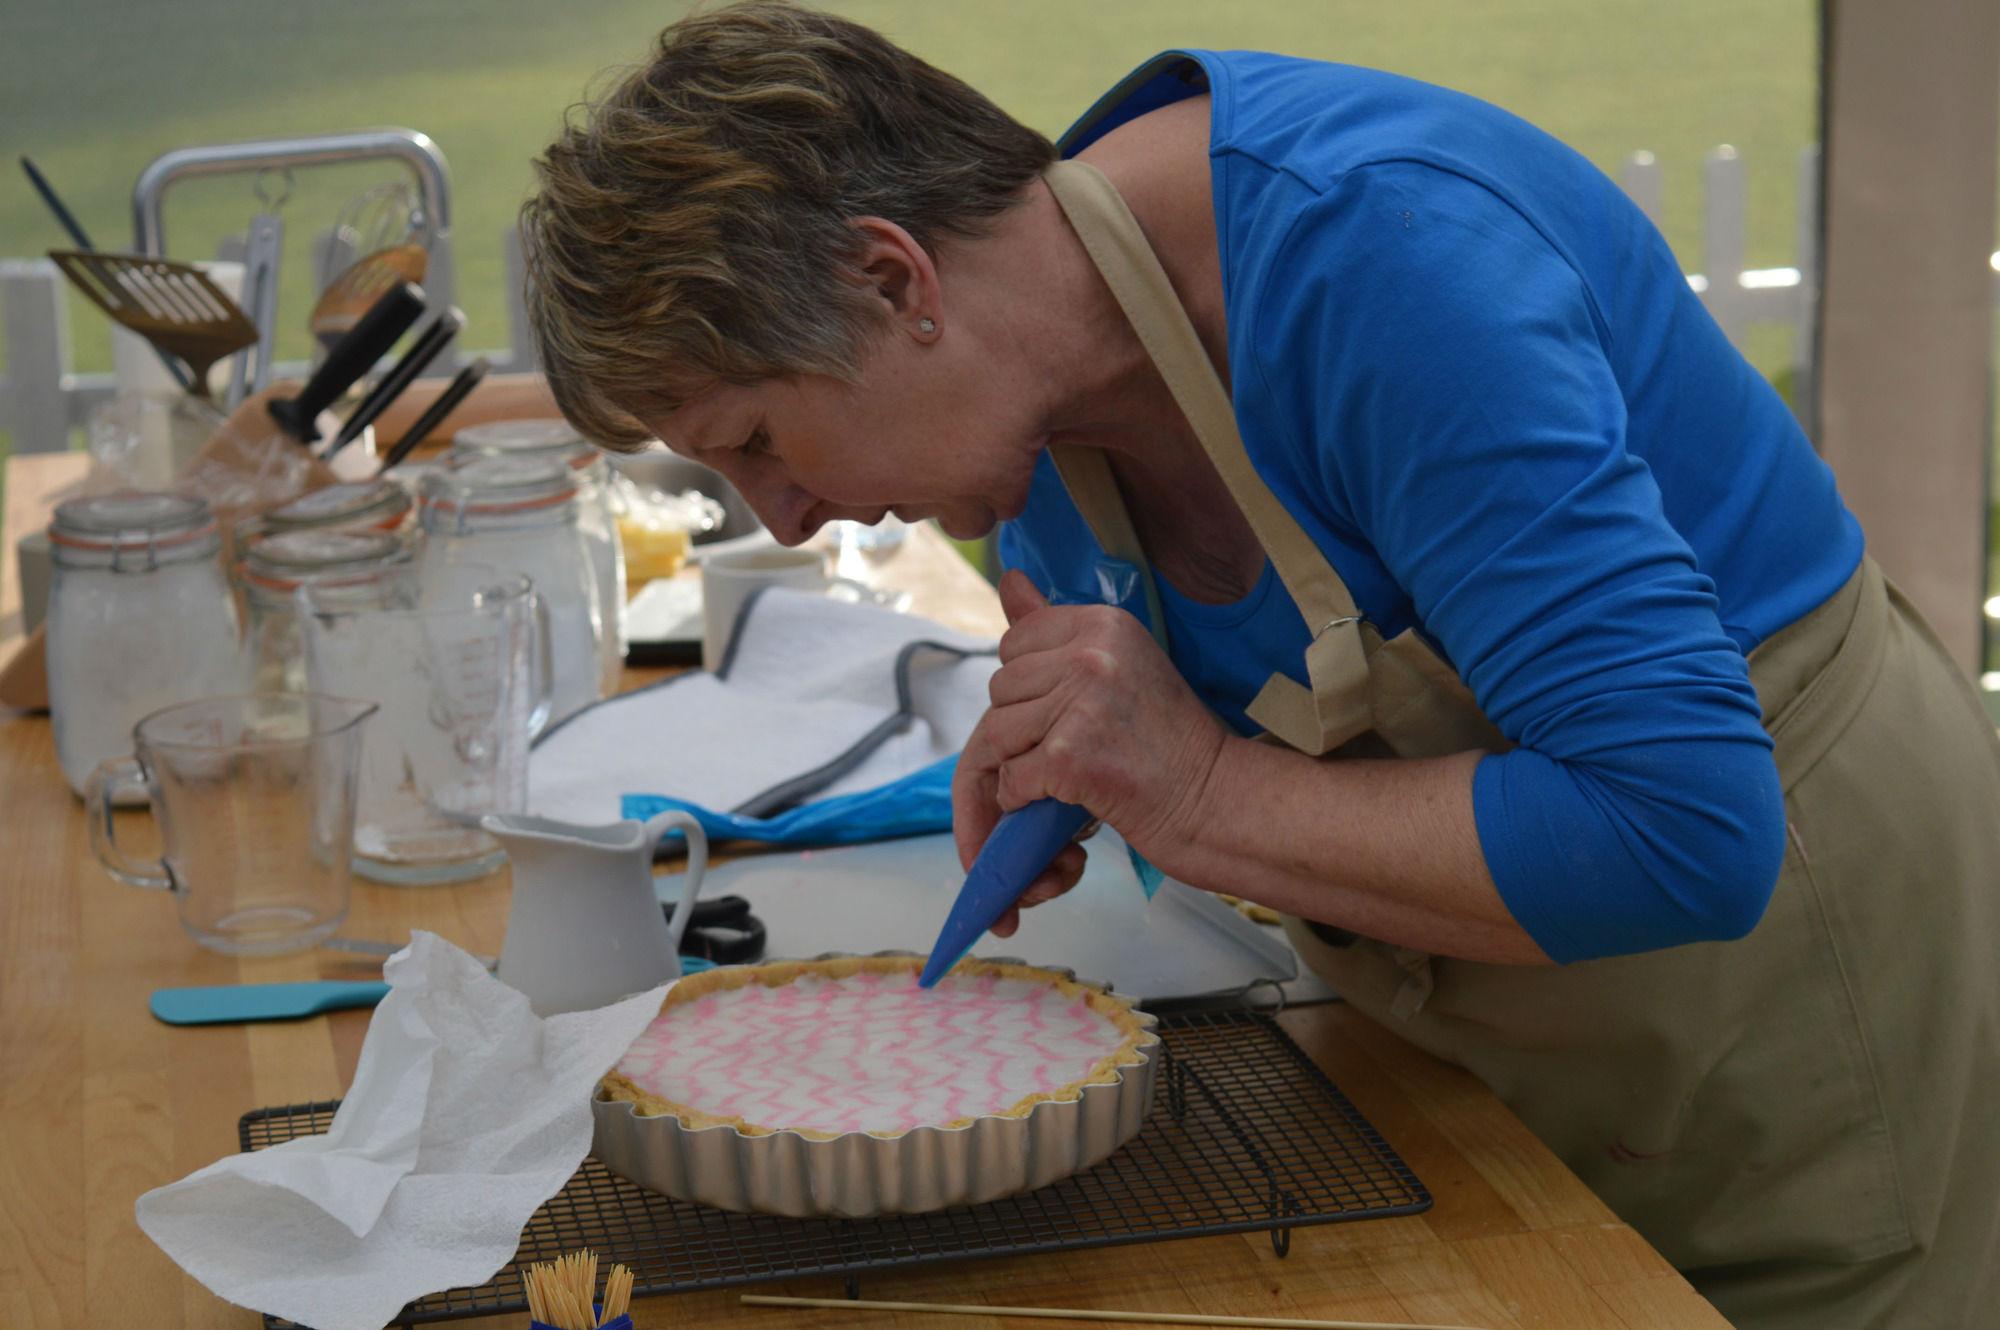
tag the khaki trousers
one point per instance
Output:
(1805, 1121)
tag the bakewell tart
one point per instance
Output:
(838, 1086)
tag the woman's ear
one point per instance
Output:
(901, 275)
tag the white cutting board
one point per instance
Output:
(893, 896)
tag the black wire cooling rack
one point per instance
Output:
(1245, 1134)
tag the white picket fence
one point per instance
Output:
(1785, 296)
(42, 398)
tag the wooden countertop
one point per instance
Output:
(99, 1103)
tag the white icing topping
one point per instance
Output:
(870, 1051)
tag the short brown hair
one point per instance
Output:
(691, 226)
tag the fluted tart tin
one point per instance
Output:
(1007, 1027)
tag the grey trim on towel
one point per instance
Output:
(669, 682)
(736, 630)
(799, 788)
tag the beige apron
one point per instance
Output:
(1805, 1121)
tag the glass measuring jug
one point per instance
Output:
(254, 796)
(459, 662)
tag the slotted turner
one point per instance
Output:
(365, 281)
(172, 305)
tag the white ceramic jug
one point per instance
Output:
(585, 927)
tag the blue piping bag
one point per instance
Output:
(1022, 844)
(1027, 840)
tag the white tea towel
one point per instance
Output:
(819, 697)
(467, 1112)
(892, 895)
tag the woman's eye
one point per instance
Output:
(758, 444)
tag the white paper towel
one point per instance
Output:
(467, 1112)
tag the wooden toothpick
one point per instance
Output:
(1085, 1314)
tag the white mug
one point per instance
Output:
(731, 578)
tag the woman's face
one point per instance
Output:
(930, 431)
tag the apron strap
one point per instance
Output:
(1337, 706)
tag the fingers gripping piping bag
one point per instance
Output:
(1027, 840)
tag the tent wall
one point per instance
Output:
(1911, 105)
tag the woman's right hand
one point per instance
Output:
(1086, 709)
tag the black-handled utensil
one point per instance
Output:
(722, 930)
(468, 379)
(421, 353)
(720, 910)
(351, 357)
(68, 222)
(63, 216)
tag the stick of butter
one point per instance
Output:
(651, 551)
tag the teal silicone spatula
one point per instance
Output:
(225, 1003)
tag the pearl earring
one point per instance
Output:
(926, 325)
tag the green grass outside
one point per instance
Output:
(94, 89)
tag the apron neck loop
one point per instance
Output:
(1336, 706)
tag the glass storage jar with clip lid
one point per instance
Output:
(365, 566)
(369, 505)
(140, 617)
(520, 514)
(598, 509)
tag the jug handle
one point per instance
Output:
(100, 794)
(697, 841)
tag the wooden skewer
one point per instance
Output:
(1085, 1314)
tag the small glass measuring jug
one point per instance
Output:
(254, 796)
(458, 660)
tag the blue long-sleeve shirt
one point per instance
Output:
(1472, 371)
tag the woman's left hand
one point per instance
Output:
(1087, 709)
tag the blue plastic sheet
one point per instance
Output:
(915, 805)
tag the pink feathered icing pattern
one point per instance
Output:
(870, 1051)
